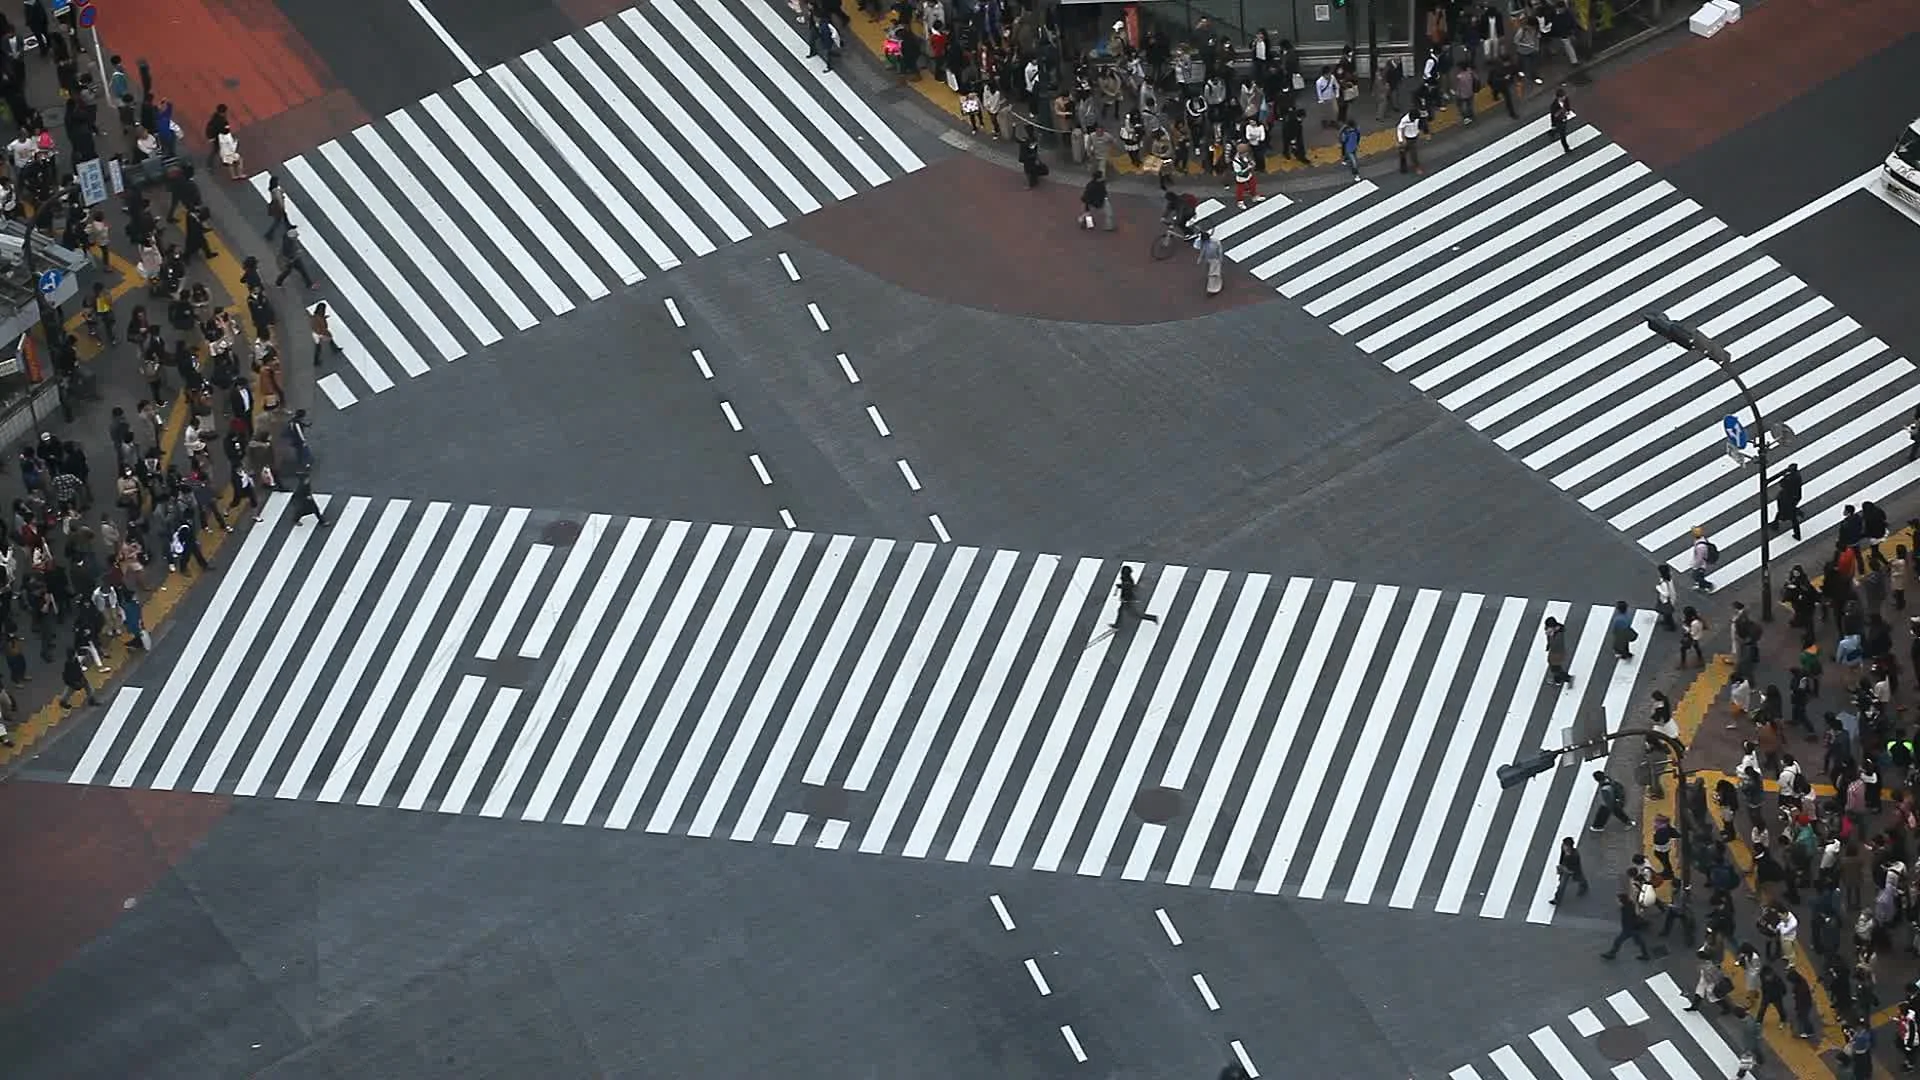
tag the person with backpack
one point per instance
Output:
(1631, 924)
(1705, 557)
(1613, 800)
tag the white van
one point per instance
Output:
(1902, 173)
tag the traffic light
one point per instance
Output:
(1672, 331)
(1526, 768)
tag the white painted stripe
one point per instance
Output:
(514, 254)
(105, 735)
(700, 361)
(1675, 1063)
(318, 652)
(786, 518)
(480, 750)
(1547, 1041)
(1241, 221)
(236, 650)
(1000, 909)
(1146, 843)
(1510, 1065)
(1579, 797)
(1206, 209)
(1696, 1025)
(1463, 234)
(733, 418)
(583, 635)
(793, 272)
(547, 618)
(1266, 666)
(1166, 924)
(1047, 759)
(980, 704)
(675, 166)
(1039, 980)
(1628, 1071)
(687, 73)
(1414, 317)
(1266, 238)
(826, 661)
(1627, 1007)
(545, 179)
(846, 367)
(1523, 829)
(1445, 785)
(613, 655)
(1206, 992)
(345, 286)
(408, 241)
(1053, 647)
(853, 695)
(1331, 841)
(1213, 686)
(630, 167)
(1106, 728)
(819, 319)
(1586, 1023)
(400, 652)
(692, 586)
(880, 425)
(1464, 1072)
(1073, 1042)
(788, 834)
(1864, 180)
(506, 617)
(440, 747)
(832, 833)
(513, 198)
(1305, 792)
(760, 470)
(838, 90)
(1246, 1063)
(563, 146)
(906, 672)
(477, 589)
(264, 676)
(746, 650)
(1486, 793)
(335, 388)
(1724, 394)
(207, 630)
(1392, 803)
(1408, 197)
(446, 39)
(692, 670)
(906, 470)
(1610, 388)
(668, 104)
(346, 224)
(1660, 258)
(823, 122)
(939, 528)
(1195, 616)
(1458, 263)
(1499, 184)
(352, 667)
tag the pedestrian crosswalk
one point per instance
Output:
(1314, 738)
(664, 133)
(1678, 1045)
(1510, 286)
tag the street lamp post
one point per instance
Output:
(1691, 339)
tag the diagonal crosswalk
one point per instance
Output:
(1510, 287)
(1679, 1045)
(661, 134)
(1314, 738)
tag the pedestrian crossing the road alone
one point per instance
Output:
(1677, 1045)
(1510, 286)
(662, 134)
(1313, 738)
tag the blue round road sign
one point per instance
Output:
(1736, 432)
(50, 280)
(87, 14)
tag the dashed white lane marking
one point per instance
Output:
(1587, 1024)
(733, 419)
(336, 390)
(789, 831)
(1000, 909)
(939, 528)
(787, 265)
(1206, 992)
(906, 470)
(1039, 980)
(761, 468)
(786, 518)
(873, 413)
(1167, 925)
(700, 360)
(846, 366)
(1073, 1043)
(834, 831)
(1246, 1062)
(819, 319)
(673, 312)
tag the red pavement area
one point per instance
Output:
(75, 855)
(1681, 99)
(244, 54)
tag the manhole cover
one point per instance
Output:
(560, 533)
(1156, 805)
(827, 802)
(1621, 1043)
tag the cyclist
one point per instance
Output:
(1179, 213)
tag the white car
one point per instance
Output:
(1901, 176)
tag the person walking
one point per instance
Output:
(1569, 870)
(1613, 800)
(1663, 598)
(1094, 200)
(1560, 117)
(1408, 134)
(1210, 254)
(1704, 556)
(1129, 593)
(1350, 147)
(320, 324)
(1804, 1023)
(1786, 501)
(1631, 925)
(292, 257)
(1556, 644)
(1693, 630)
(74, 674)
(1621, 631)
(304, 503)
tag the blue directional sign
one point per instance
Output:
(1736, 432)
(60, 7)
(50, 280)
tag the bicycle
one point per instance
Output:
(1171, 233)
